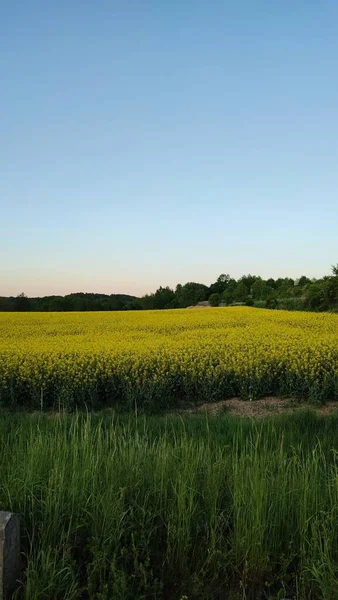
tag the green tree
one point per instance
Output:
(58, 303)
(248, 281)
(220, 284)
(5, 304)
(133, 305)
(286, 287)
(315, 297)
(148, 301)
(302, 281)
(330, 291)
(271, 283)
(229, 294)
(260, 290)
(190, 294)
(163, 296)
(242, 292)
(215, 299)
(21, 303)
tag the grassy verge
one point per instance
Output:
(119, 508)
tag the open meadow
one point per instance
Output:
(154, 360)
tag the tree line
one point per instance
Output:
(282, 293)
(70, 302)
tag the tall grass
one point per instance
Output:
(119, 508)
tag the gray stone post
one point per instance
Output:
(9, 553)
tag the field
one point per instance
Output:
(193, 507)
(126, 508)
(153, 360)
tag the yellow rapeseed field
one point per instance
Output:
(157, 358)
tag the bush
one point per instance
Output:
(271, 303)
(215, 299)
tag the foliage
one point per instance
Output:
(163, 297)
(194, 507)
(215, 299)
(286, 293)
(260, 290)
(271, 303)
(190, 294)
(21, 303)
(230, 292)
(220, 284)
(71, 302)
(241, 292)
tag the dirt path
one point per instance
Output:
(259, 408)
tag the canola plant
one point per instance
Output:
(157, 359)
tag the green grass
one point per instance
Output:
(119, 508)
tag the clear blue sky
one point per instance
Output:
(147, 143)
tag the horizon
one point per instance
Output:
(173, 287)
(150, 145)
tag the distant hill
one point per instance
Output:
(79, 301)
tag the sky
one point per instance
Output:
(147, 143)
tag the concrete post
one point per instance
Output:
(9, 553)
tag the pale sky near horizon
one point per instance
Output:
(150, 143)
